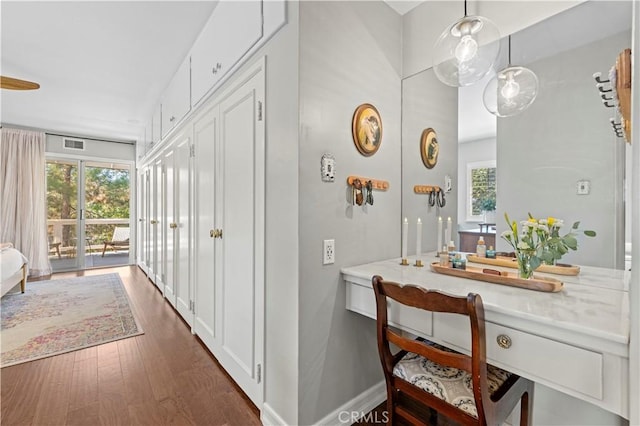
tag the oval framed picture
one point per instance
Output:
(429, 148)
(367, 129)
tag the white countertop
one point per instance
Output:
(594, 304)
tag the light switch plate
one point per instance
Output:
(583, 187)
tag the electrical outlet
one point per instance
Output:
(328, 252)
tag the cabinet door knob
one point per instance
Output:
(216, 233)
(214, 70)
(141, 220)
(172, 119)
(173, 225)
(218, 65)
(153, 221)
(504, 341)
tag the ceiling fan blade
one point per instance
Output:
(17, 84)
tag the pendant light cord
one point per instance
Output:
(465, 8)
(509, 49)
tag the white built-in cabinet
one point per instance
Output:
(176, 102)
(234, 27)
(202, 194)
(156, 125)
(229, 286)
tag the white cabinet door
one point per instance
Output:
(168, 226)
(176, 101)
(239, 253)
(142, 220)
(204, 138)
(234, 27)
(182, 235)
(146, 225)
(156, 125)
(157, 201)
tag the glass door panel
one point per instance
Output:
(62, 213)
(107, 193)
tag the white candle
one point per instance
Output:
(405, 235)
(419, 238)
(439, 245)
(447, 234)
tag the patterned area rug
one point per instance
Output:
(64, 315)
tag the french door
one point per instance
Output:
(88, 213)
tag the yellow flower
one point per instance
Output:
(551, 221)
(532, 220)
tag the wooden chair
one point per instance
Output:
(120, 239)
(424, 376)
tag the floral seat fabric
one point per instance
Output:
(449, 384)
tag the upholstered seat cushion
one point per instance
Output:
(449, 384)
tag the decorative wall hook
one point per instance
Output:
(598, 77)
(377, 184)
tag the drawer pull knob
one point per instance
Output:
(504, 341)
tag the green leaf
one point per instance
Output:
(590, 233)
(575, 225)
(535, 262)
(571, 242)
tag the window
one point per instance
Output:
(481, 189)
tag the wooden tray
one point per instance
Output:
(511, 262)
(550, 285)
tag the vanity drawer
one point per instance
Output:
(535, 357)
(416, 321)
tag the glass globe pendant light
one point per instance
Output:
(511, 91)
(466, 51)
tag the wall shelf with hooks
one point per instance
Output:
(380, 185)
(426, 189)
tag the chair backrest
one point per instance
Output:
(434, 301)
(120, 234)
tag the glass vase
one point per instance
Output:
(524, 265)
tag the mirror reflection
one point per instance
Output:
(560, 157)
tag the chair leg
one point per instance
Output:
(104, 249)
(526, 407)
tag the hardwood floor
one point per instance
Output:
(163, 377)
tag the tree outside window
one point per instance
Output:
(481, 189)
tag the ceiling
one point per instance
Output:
(101, 65)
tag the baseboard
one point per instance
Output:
(269, 417)
(357, 407)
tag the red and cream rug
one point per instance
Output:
(64, 315)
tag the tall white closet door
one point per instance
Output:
(153, 222)
(142, 213)
(169, 226)
(239, 277)
(146, 225)
(204, 137)
(182, 232)
(158, 224)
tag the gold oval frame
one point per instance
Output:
(429, 148)
(366, 129)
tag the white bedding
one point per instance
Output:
(11, 261)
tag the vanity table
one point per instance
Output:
(575, 341)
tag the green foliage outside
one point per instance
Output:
(483, 190)
(107, 194)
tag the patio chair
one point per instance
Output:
(119, 240)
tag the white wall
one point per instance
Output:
(426, 102)
(472, 151)
(350, 53)
(565, 136)
(93, 149)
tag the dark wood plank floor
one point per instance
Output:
(163, 377)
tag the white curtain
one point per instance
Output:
(23, 213)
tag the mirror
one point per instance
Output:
(563, 141)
